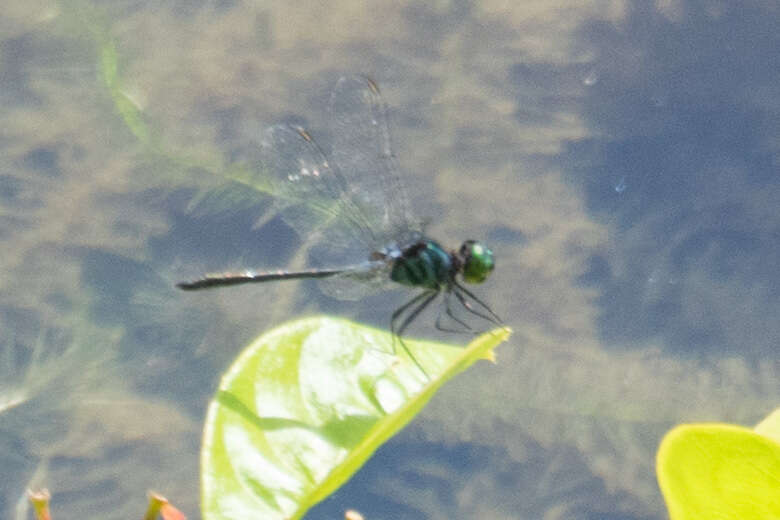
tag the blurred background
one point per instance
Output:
(620, 157)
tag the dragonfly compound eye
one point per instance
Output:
(478, 261)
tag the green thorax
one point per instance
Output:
(425, 264)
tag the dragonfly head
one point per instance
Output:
(477, 261)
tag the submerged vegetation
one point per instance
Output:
(113, 142)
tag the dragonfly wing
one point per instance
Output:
(309, 193)
(363, 151)
(302, 175)
(359, 281)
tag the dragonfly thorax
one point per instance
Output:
(424, 264)
(428, 265)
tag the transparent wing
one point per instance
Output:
(363, 152)
(310, 194)
(345, 208)
(302, 176)
(359, 281)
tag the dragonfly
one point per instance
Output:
(355, 203)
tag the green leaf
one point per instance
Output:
(721, 471)
(304, 407)
(770, 426)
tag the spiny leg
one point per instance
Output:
(495, 318)
(448, 311)
(472, 310)
(397, 314)
(427, 297)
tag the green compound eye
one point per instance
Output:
(478, 261)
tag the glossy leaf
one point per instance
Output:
(721, 471)
(304, 407)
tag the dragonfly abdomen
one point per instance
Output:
(425, 264)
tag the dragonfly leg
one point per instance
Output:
(448, 311)
(463, 301)
(493, 317)
(397, 314)
(424, 300)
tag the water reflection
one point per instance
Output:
(623, 160)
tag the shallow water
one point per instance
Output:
(620, 158)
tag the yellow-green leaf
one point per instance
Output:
(770, 426)
(306, 404)
(719, 471)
